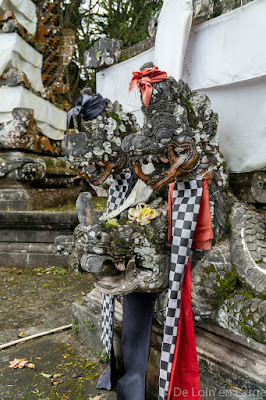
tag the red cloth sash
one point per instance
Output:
(144, 79)
(185, 379)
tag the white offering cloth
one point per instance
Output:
(225, 59)
(173, 31)
(16, 52)
(25, 13)
(227, 49)
(51, 120)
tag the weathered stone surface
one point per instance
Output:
(13, 77)
(27, 238)
(96, 152)
(29, 167)
(22, 167)
(136, 49)
(153, 24)
(104, 53)
(258, 186)
(22, 133)
(89, 323)
(202, 11)
(176, 137)
(250, 271)
(228, 286)
(224, 6)
(109, 253)
(23, 197)
(31, 255)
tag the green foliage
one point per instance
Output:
(93, 19)
(81, 16)
(103, 356)
(75, 327)
(128, 20)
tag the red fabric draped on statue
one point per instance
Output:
(185, 380)
(144, 79)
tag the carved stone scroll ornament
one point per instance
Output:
(21, 167)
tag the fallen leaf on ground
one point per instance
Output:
(90, 377)
(56, 383)
(21, 334)
(18, 363)
(57, 375)
(30, 365)
(46, 375)
(95, 398)
(90, 364)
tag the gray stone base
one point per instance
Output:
(231, 367)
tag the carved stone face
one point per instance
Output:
(177, 130)
(96, 151)
(127, 258)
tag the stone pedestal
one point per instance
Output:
(230, 365)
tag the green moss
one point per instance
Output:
(209, 269)
(98, 203)
(115, 117)
(99, 55)
(192, 118)
(124, 58)
(69, 207)
(250, 294)
(227, 285)
(248, 331)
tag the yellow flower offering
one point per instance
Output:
(142, 214)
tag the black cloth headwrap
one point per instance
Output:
(88, 107)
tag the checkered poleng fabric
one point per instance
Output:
(118, 192)
(186, 204)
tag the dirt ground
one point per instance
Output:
(32, 301)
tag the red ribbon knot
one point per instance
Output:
(144, 79)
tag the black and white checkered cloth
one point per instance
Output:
(186, 204)
(119, 190)
(107, 321)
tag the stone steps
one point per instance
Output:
(27, 238)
